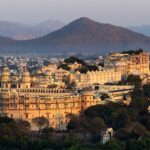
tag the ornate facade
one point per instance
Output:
(20, 98)
(136, 63)
(96, 77)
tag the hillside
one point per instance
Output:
(85, 36)
(144, 29)
(20, 31)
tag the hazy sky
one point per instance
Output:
(119, 12)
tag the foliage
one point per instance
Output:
(68, 83)
(114, 145)
(46, 62)
(13, 129)
(86, 68)
(104, 96)
(73, 59)
(40, 122)
(134, 80)
(64, 66)
(86, 124)
(130, 123)
(131, 52)
(146, 89)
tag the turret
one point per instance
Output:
(5, 76)
(26, 80)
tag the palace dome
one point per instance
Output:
(6, 72)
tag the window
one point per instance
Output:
(26, 115)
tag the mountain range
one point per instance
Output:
(20, 31)
(80, 36)
(143, 29)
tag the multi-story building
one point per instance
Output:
(20, 98)
(136, 63)
(96, 77)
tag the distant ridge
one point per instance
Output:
(143, 29)
(84, 36)
(20, 31)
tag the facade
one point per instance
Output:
(96, 77)
(135, 63)
(53, 104)
(24, 98)
(51, 75)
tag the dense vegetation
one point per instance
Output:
(136, 52)
(83, 69)
(130, 123)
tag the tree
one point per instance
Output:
(146, 89)
(94, 125)
(69, 84)
(6, 130)
(92, 67)
(134, 80)
(46, 62)
(103, 111)
(83, 69)
(40, 122)
(73, 59)
(139, 130)
(64, 66)
(123, 134)
(146, 121)
(7, 120)
(144, 144)
(121, 120)
(14, 128)
(139, 103)
(83, 123)
(86, 68)
(131, 52)
(23, 128)
(115, 145)
(48, 132)
(74, 123)
(104, 96)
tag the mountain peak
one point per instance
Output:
(84, 36)
(84, 20)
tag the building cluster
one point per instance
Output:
(127, 64)
(45, 93)
(96, 77)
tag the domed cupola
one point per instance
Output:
(5, 75)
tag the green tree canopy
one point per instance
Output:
(73, 59)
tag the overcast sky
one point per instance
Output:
(118, 12)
